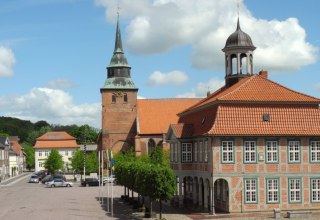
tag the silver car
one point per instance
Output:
(34, 179)
(58, 183)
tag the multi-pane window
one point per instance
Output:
(315, 151)
(250, 187)
(295, 190)
(171, 153)
(40, 164)
(206, 151)
(186, 152)
(176, 152)
(272, 151)
(46, 153)
(196, 152)
(66, 153)
(227, 152)
(315, 190)
(40, 153)
(200, 151)
(272, 190)
(250, 152)
(294, 151)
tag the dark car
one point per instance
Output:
(41, 175)
(49, 178)
(90, 182)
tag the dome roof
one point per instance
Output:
(239, 39)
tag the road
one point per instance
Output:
(22, 200)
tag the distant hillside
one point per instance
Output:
(18, 127)
(28, 131)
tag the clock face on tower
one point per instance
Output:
(119, 94)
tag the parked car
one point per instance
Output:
(109, 179)
(34, 179)
(90, 182)
(41, 175)
(58, 183)
(49, 178)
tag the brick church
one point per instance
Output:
(252, 145)
(128, 121)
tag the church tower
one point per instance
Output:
(119, 100)
(238, 56)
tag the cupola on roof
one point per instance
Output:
(239, 39)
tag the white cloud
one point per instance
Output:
(202, 88)
(7, 60)
(60, 83)
(157, 26)
(158, 78)
(51, 105)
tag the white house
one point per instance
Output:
(59, 140)
(17, 157)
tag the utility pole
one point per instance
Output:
(85, 154)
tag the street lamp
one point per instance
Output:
(84, 160)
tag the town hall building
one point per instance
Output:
(252, 145)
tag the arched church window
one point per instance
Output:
(151, 146)
(114, 98)
(125, 97)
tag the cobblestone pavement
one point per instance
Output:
(123, 210)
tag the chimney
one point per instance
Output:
(263, 73)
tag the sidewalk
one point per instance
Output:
(9, 180)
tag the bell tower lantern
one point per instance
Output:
(238, 56)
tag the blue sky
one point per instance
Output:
(54, 53)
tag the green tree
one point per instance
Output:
(33, 135)
(29, 151)
(54, 161)
(77, 161)
(92, 163)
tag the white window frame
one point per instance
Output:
(315, 189)
(200, 151)
(315, 151)
(195, 152)
(294, 152)
(251, 190)
(206, 151)
(250, 152)
(272, 153)
(176, 152)
(294, 190)
(272, 190)
(227, 151)
(186, 152)
(40, 153)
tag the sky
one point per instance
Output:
(54, 53)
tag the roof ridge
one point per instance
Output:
(236, 89)
(285, 87)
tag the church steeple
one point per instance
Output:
(238, 56)
(119, 70)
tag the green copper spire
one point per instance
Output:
(118, 69)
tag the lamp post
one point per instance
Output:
(84, 160)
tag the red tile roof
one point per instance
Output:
(248, 120)
(255, 88)
(155, 115)
(182, 130)
(239, 110)
(16, 147)
(56, 139)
